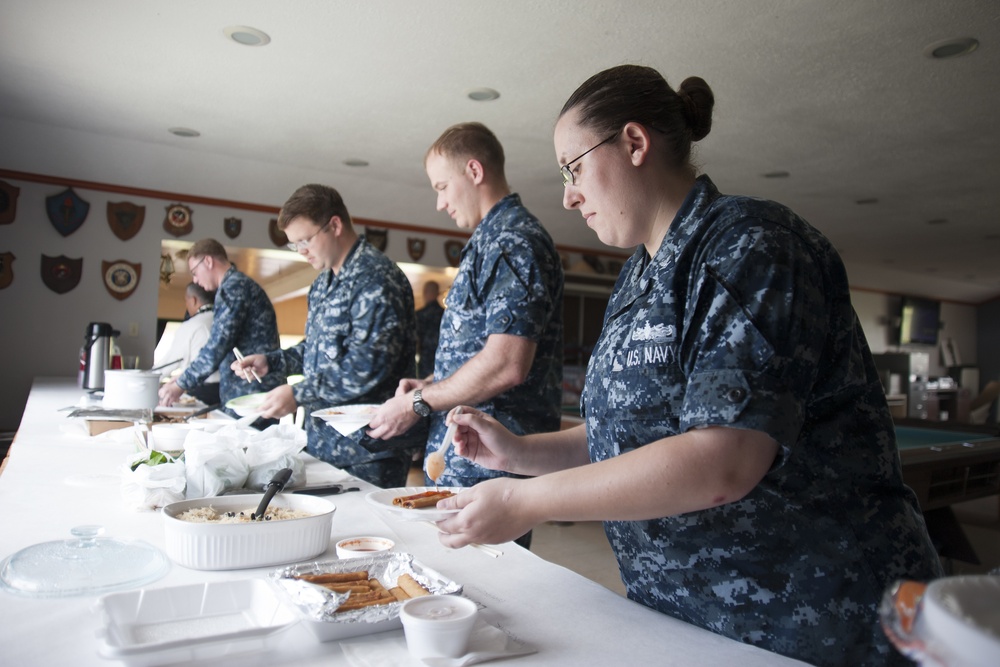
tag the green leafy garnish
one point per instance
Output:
(154, 458)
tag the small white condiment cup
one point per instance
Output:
(354, 547)
(438, 626)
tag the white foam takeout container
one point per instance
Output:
(194, 622)
(234, 546)
(316, 606)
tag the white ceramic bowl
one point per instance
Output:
(234, 546)
(169, 437)
(247, 405)
(356, 547)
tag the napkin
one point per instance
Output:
(389, 649)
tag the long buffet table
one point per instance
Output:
(54, 481)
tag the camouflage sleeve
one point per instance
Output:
(517, 301)
(360, 351)
(754, 331)
(230, 308)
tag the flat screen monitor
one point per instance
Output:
(920, 320)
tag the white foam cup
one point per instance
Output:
(438, 626)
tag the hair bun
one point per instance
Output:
(698, 102)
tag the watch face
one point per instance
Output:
(420, 406)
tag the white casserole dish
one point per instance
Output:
(195, 622)
(234, 546)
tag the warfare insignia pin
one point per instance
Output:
(61, 274)
(6, 269)
(125, 219)
(453, 251)
(8, 202)
(121, 278)
(178, 220)
(232, 227)
(377, 237)
(278, 237)
(66, 211)
(416, 248)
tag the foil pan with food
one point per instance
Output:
(357, 596)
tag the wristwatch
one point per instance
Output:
(420, 405)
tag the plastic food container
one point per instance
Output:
(358, 547)
(317, 606)
(438, 626)
(233, 546)
(195, 622)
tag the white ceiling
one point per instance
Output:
(838, 94)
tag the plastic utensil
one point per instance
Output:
(435, 460)
(276, 484)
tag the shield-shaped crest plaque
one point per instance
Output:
(121, 277)
(416, 248)
(66, 211)
(125, 219)
(8, 202)
(178, 220)
(61, 274)
(6, 269)
(232, 227)
(377, 237)
(453, 251)
(278, 237)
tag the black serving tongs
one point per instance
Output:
(276, 484)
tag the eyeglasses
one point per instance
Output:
(304, 243)
(569, 178)
(197, 264)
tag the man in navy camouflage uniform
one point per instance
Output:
(428, 329)
(737, 442)
(501, 335)
(359, 338)
(244, 319)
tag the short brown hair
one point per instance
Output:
(208, 248)
(466, 141)
(619, 95)
(317, 202)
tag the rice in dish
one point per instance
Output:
(209, 515)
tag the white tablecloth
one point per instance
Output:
(55, 480)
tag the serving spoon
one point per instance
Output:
(276, 484)
(435, 460)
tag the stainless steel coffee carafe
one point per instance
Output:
(96, 354)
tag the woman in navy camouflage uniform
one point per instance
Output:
(737, 441)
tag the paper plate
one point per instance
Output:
(382, 499)
(347, 418)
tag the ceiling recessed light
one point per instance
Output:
(777, 174)
(869, 200)
(184, 132)
(246, 35)
(356, 162)
(483, 94)
(951, 48)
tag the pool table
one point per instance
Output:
(946, 465)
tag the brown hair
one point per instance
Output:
(208, 248)
(632, 93)
(319, 203)
(471, 141)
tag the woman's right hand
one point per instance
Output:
(485, 441)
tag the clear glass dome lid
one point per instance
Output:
(87, 564)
